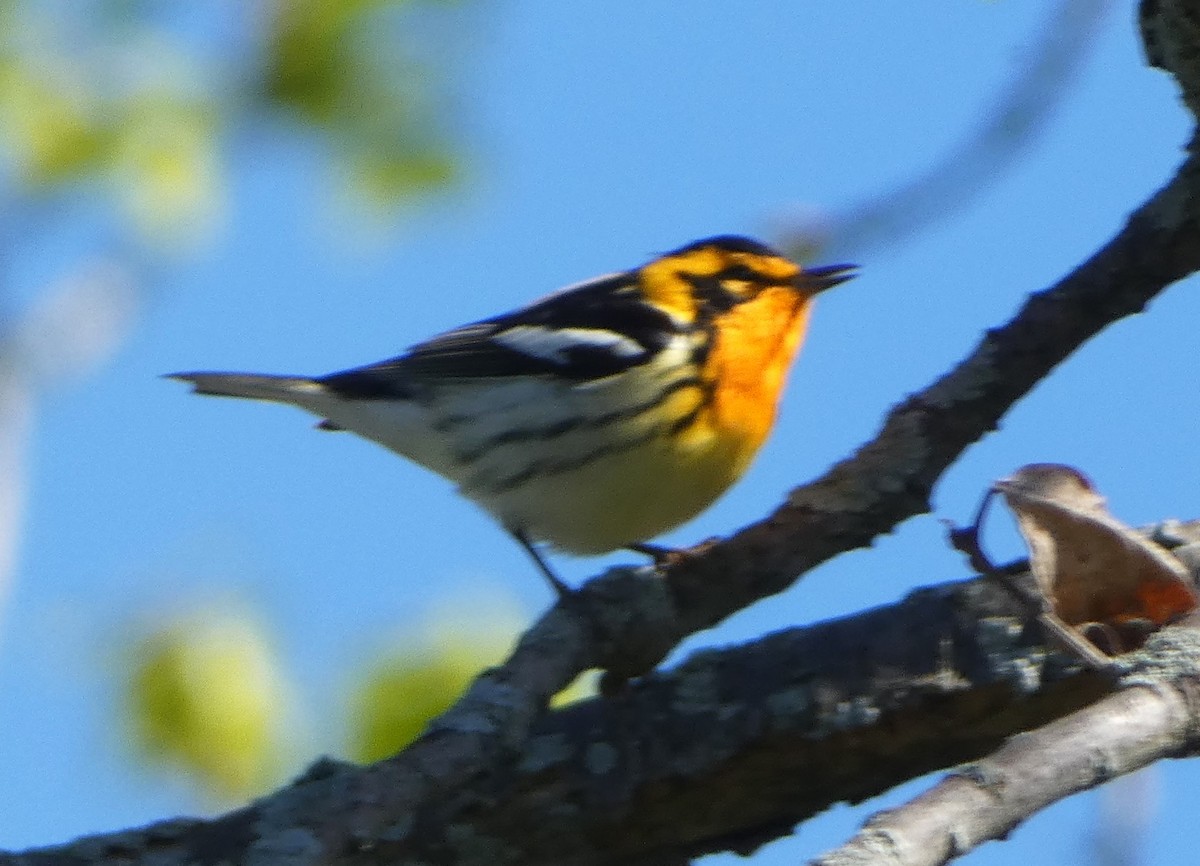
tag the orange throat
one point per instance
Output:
(749, 365)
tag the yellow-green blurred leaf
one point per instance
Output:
(205, 695)
(336, 66)
(584, 687)
(401, 692)
(48, 124)
(399, 696)
(411, 684)
(111, 92)
(166, 167)
(310, 49)
(381, 180)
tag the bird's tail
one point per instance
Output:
(296, 390)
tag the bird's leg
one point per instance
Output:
(556, 582)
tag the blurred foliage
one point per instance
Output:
(143, 102)
(346, 66)
(406, 687)
(422, 674)
(401, 693)
(50, 129)
(132, 112)
(206, 696)
(142, 106)
(165, 165)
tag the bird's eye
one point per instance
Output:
(712, 291)
(741, 272)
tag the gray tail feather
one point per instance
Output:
(253, 386)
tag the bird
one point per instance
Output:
(597, 417)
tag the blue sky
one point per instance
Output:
(598, 135)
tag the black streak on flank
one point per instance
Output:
(556, 467)
(570, 425)
(688, 420)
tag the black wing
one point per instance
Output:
(587, 331)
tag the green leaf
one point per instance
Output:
(205, 696)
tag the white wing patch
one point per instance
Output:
(552, 344)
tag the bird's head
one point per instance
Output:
(710, 277)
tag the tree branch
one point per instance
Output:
(891, 477)
(774, 731)
(1155, 714)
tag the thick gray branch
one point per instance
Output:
(730, 750)
(775, 730)
(1154, 715)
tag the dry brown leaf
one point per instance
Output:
(1091, 567)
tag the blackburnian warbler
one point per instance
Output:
(597, 417)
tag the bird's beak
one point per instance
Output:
(816, 280)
